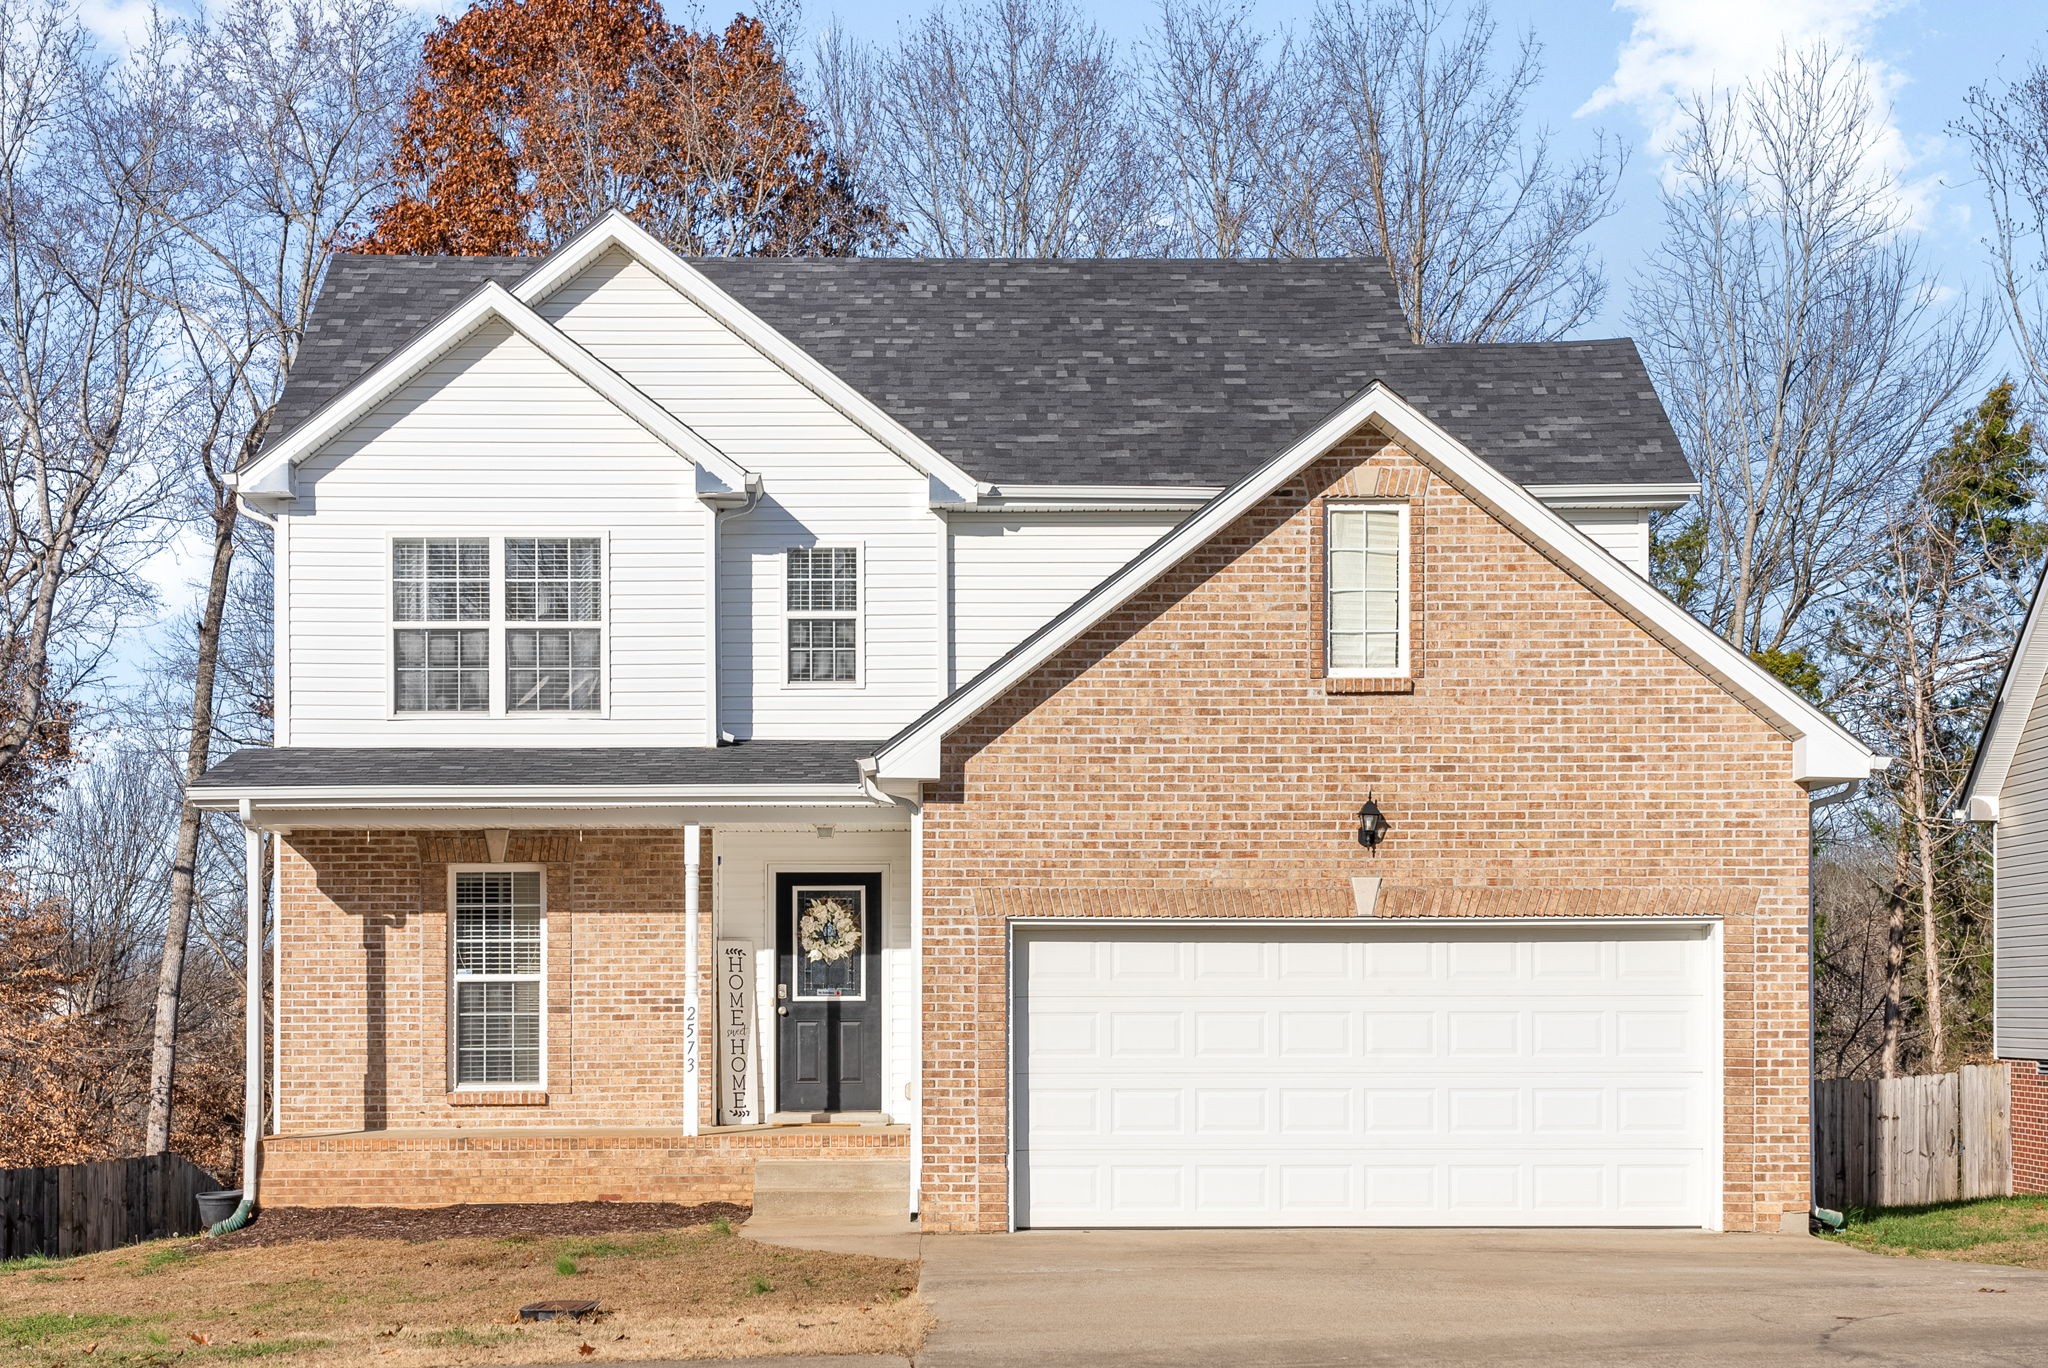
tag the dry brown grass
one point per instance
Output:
(701, 1292)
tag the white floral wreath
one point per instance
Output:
(829, 931)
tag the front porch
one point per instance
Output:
(585, 992)
(439, 1167)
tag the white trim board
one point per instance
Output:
(270, 475)
(1823, 752)
(615, 230)
(2018, 694)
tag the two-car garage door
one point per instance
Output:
(1369, 1074)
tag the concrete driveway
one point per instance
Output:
(1410, 1297)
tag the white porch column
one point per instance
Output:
(252, 1025)
(693, 1007)
(916, 1005)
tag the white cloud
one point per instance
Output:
(1677, 48)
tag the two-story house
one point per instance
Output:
(1124, 742)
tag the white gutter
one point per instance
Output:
(1662, 497)
(224, 799)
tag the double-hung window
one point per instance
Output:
(499, 977)
(823, 606)
(1365, 606)
(553, 580)
(543, 619)
(445, 582)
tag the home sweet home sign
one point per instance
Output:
(739, 1065)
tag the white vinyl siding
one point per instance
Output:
(499, 978)
(1623, 533)
(1013, 573)
(827, 482)
(1365, 589)
(2020, 927)
(496, 440)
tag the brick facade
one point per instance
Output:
(1548, 756)
(2029, 1127)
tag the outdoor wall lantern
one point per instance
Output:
(1372, 824)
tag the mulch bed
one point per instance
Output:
(285, 1225)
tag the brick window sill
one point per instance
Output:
(494, 1098)
(1333, 684)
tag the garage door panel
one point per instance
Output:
(1193, 1075)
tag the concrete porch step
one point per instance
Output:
(786, 1188)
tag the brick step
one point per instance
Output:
(831, 1187)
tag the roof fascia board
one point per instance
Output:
(217, 797)
(1823, 751)
(1662, 497)
(2018, 693)
(615, 230)
(271, 472)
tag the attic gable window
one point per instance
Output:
(822, 601)
(445, 581)
(1365, 603)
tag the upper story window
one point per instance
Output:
(553, 580)
(499, 975)
(544, 619)
(823, 606)
(446, 581)
(1365, 608)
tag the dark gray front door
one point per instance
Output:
(828, 991)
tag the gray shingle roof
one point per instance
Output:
(748, 762)
(1098, 372)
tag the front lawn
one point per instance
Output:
(696, 1292)
(2004, 1230)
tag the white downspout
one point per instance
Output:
(252, 1022)
(693, 1007)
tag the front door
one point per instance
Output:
(828, 992)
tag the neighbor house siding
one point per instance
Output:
(826, 481)
(495, 438)
(1013, 573)
(2020, 1006)
(1184, 758)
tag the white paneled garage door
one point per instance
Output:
(1369, 1074)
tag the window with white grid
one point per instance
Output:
(823, 605)
(445, 581)
(554, 580)
(499, 977)
(1366, 590)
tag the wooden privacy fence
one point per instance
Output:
(67, 1209)
(1909, 1141)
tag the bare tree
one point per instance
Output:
(2007, 128)
(83, 372)
(1240, 133)
(1484, 227)
(1801, 351)
(1001, 128)
(283, 115)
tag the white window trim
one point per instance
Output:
(454, 1058)
(858, 616)
(1403, 663)
(498, 624)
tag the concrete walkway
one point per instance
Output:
(1414, 1298)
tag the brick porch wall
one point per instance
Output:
(2029, 1127)
(363, 988)
(1184, 758)
(413, 1169)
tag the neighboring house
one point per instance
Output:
(1054, 637)
(2008, 788)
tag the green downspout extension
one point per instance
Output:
(234, 1222)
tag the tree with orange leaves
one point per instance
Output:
(533, 117)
